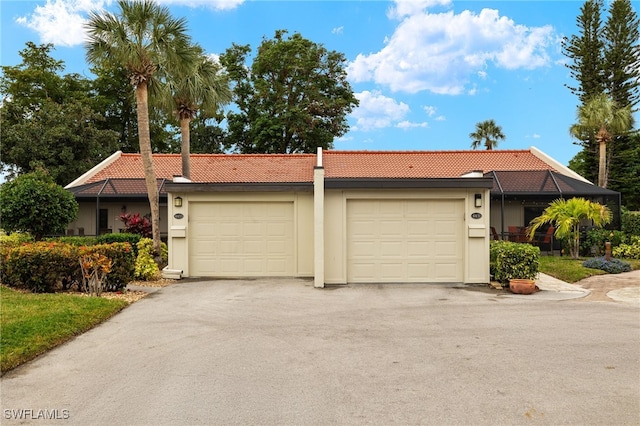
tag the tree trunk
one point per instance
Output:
(602, 165)
(186, 147)
(147, 161)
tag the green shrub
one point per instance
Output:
(146, 268)
(630, 222)
(47, 266)
(513, 260)
(41, 267)
(32, 202)
(15, 239)
(613, 266)
(628, 251)
(132, 239)
(596, 239)
(123, 263)
(77, 241)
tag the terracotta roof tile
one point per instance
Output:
(218, 168)
(425, 164)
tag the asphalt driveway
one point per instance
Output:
(274, 352)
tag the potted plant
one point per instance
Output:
(516, 265)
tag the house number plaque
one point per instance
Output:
(178, 215)
(476, 215)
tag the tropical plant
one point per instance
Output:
(151, 45)
(602, 117)
(201, 90)
(566, 216)
(487, 133)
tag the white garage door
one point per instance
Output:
(241, 239)
(405, 241)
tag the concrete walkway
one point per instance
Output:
(624, 288)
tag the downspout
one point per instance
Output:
(318, 222)
(106, 181)
(495, 176)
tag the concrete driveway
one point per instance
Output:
(279, 352)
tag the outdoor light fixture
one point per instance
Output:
(177, 202)
(478, 200)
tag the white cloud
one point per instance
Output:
(377, 111)
(410, 125)
(212, 4)
(430, 110)
(441, 118)
(338, 30)
(410, 7)
(482, 74)
(439, 52)
(61, 22)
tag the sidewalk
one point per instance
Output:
(555, 289)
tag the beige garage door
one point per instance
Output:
(405, 241)
(241, 239)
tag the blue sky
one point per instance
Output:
(425, 72)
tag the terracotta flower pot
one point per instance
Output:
(523, 286)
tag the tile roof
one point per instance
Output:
(425, 164)
(218, 168)
(298, 168)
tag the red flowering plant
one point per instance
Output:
(136, 224)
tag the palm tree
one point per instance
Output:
(147, 42)
(601, 115)
(566, 216)
(202, 89)
(488, 132)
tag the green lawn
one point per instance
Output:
(31, 324)
(571, 270)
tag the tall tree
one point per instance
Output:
(294, 97)
(622, 53)
(148, 42)
(201, 90)
(486, 133)
(601, 117)
(49, 120)
(585, 52)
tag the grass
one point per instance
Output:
(571, 270)
(31, 324)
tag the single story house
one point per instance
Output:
(337, 216)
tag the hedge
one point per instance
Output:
(508, 260)
(47, 266)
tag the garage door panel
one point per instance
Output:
(241, 239)
(413, 240)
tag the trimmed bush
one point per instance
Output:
(47, 266)
(510, 260)
(77, 241)
(630, 222)
(41, 267)
(15, 239)
(613, 266)
(628, 251)
(132, 239)
(122, 263)
(146, 268)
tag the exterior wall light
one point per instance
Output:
(478, 200)
(177, 202)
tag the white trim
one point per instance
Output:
(94, 170)
(556, 165)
